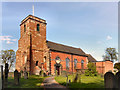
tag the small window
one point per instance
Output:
(38, 28)
(36, 63)
(24, 28)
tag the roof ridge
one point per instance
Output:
(64, 45)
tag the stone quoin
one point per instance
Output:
(36, 54)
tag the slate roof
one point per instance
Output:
(91, 58)
(66, 49)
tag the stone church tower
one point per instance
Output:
(32, 49)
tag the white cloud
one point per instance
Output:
(108, 37)
(7, 39)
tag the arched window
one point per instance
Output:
(24, 28)
(36, 63)
(67, 63)
(38, 29)
(75, 63)
(82, 64)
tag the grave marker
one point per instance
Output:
(109, 80)
(16, 77)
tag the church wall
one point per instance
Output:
(23, 49)
(79, 59)
(36, 56)
(104, 66)
(100, 67)
(63, 57)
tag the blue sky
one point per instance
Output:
(87, 25)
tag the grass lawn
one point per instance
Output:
(33, 81)
(86, 81)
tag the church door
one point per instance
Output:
(58, 70)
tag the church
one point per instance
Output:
(35, 53)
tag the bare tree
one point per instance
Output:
(8, 56)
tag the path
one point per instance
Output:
(50, 83)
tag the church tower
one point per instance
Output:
(31, 45)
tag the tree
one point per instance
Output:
(110, 54)
(91, 71)
(8, 56)
(117, 66)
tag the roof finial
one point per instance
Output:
(33, 9)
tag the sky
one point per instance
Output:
(91, 26)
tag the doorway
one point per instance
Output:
(58, 70)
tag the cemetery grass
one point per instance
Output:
(86, 81)
(33, 81)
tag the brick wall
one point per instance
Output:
(31, 42)
(104, 66)
(63, 57)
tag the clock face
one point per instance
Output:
(57, 61)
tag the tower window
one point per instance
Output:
(36, 63)
(38, 27)
(24, 28)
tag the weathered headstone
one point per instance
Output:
(16, 77)
(21, 72)
(2, 77)
(109, 80)
(25, 75)
(66, 80)
(117, 76)
(76, 78)
(6, 74)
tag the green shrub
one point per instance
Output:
(91, 71)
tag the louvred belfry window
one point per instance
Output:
(38, 27)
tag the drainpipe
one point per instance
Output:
(50, 62)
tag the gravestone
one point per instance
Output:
(76, 78)
(25, 75)
(16, 77)
(6, 74)
(109, 80)
(117, 76)
(66, 80)
(21, 72)
(2, 78)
